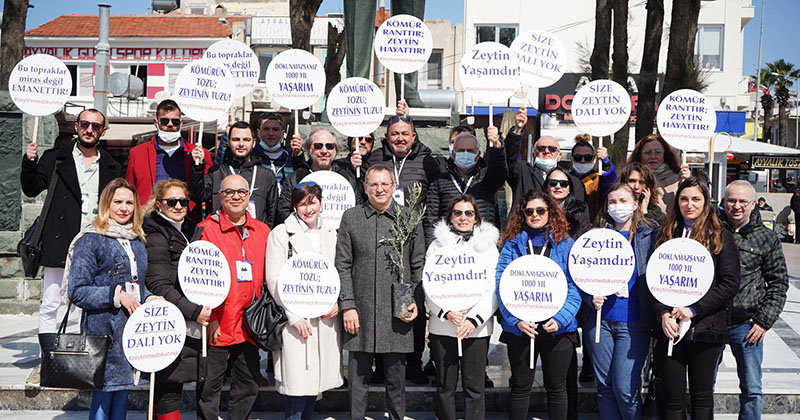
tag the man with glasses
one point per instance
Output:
(238, 160)
(82, 169)
(165, 156)
(762, 292)
(367, 279)
(242, 240)
(584, 167)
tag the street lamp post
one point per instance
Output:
(758, 74)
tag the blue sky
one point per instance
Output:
(781, 17)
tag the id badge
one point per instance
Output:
(132, 288)
(85, 203)
(244, 270)
(399, 197)
(251, 209)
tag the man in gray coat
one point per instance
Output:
(367, 275)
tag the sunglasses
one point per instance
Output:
(319, 146)
(83, 124)
(583, 158)
(305, 184)
(165, 121)
(548, 149)
(541, 211)
(398, 118)
(561, 182)
(468, 213)
(172, 202)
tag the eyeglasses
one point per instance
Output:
(468, 213)
(166, 121)
(172, 202)
(382, 185)
(319, 146)
(657, 152)
(541, 211)
(548, 149)
(229, 193)
(583, 158)
(561, 182)
(83, 124)
(305, 184)
(733, 202)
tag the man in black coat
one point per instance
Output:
(794, 203)
(82, 169)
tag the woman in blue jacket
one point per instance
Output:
(537, 225)
(625, 327)
(106, 265)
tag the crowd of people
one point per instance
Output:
(116, 238)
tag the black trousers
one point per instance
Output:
(414, 359)
(244, 381)
(556, 352)
(359, 372)
(697, 359)
(444, 352)
(167, 396)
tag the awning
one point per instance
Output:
(498, 110)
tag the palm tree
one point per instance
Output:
(783, 72)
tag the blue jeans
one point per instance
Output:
(300, 407)
(617, 361)
(748, 367)
(108, 405)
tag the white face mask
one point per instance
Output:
(582, 168)
(545, 164)
(620, 212)
(169, 136)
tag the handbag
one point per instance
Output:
(266, 320)
(653, 408)
(29, 247)
(76, 361)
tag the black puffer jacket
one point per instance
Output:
(418, 167)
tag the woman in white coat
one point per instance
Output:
(301, 382)
(462, 227)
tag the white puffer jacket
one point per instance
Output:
(484, 244)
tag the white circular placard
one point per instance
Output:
(204, 89)
(489, 72)
(403, 44)
(308, 285)
(355, 107)
(295, 79)
(204, 274)
(601, 107)
(680, 272)
(337, 195)
(686, 120)
(154, 336)
(601, 262)
(533, 288)
(40, 84)
(542, 58)
(240, 60)
(454, 278)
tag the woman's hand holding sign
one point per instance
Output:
(204, 316)
(456, 317)
(528, 328)
(551, 326)
(598, 301)
(465, 329)
(683, 313)
(669, 325)
(303, 328)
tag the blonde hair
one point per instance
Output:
(100, 222)
(160, 190)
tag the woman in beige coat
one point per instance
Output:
(301, 382)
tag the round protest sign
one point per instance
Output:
(355, 107)
(680, 272)
(601, 262)
(533, 288)
(40, 84)
(403, 44)
(542, 58)
(154, 336)
(241, 62)
(204, 89)
(295, 79)
(454, 278)
(308, 285)
(337, 195)
(204, 274)
(686, 120)
(489, 72)
(601, 107)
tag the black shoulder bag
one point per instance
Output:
(266, 319)
(29, 247)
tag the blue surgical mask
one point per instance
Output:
(545, 164)
(465, 160)
(270, 149)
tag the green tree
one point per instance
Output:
(784, 72)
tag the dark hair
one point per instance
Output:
(464, 198)
(167, 105)
(379, 167)
(299, 195)
(637, 217)
(459, 129)
(583, 143)
(569, 179)
(273, 116)
(239, 124)
(707, 228)
(648, 176)
(556, 219)
(92, 110)
(370, 136)
(670, 157)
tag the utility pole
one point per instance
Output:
(101, 65)
(758, 74)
